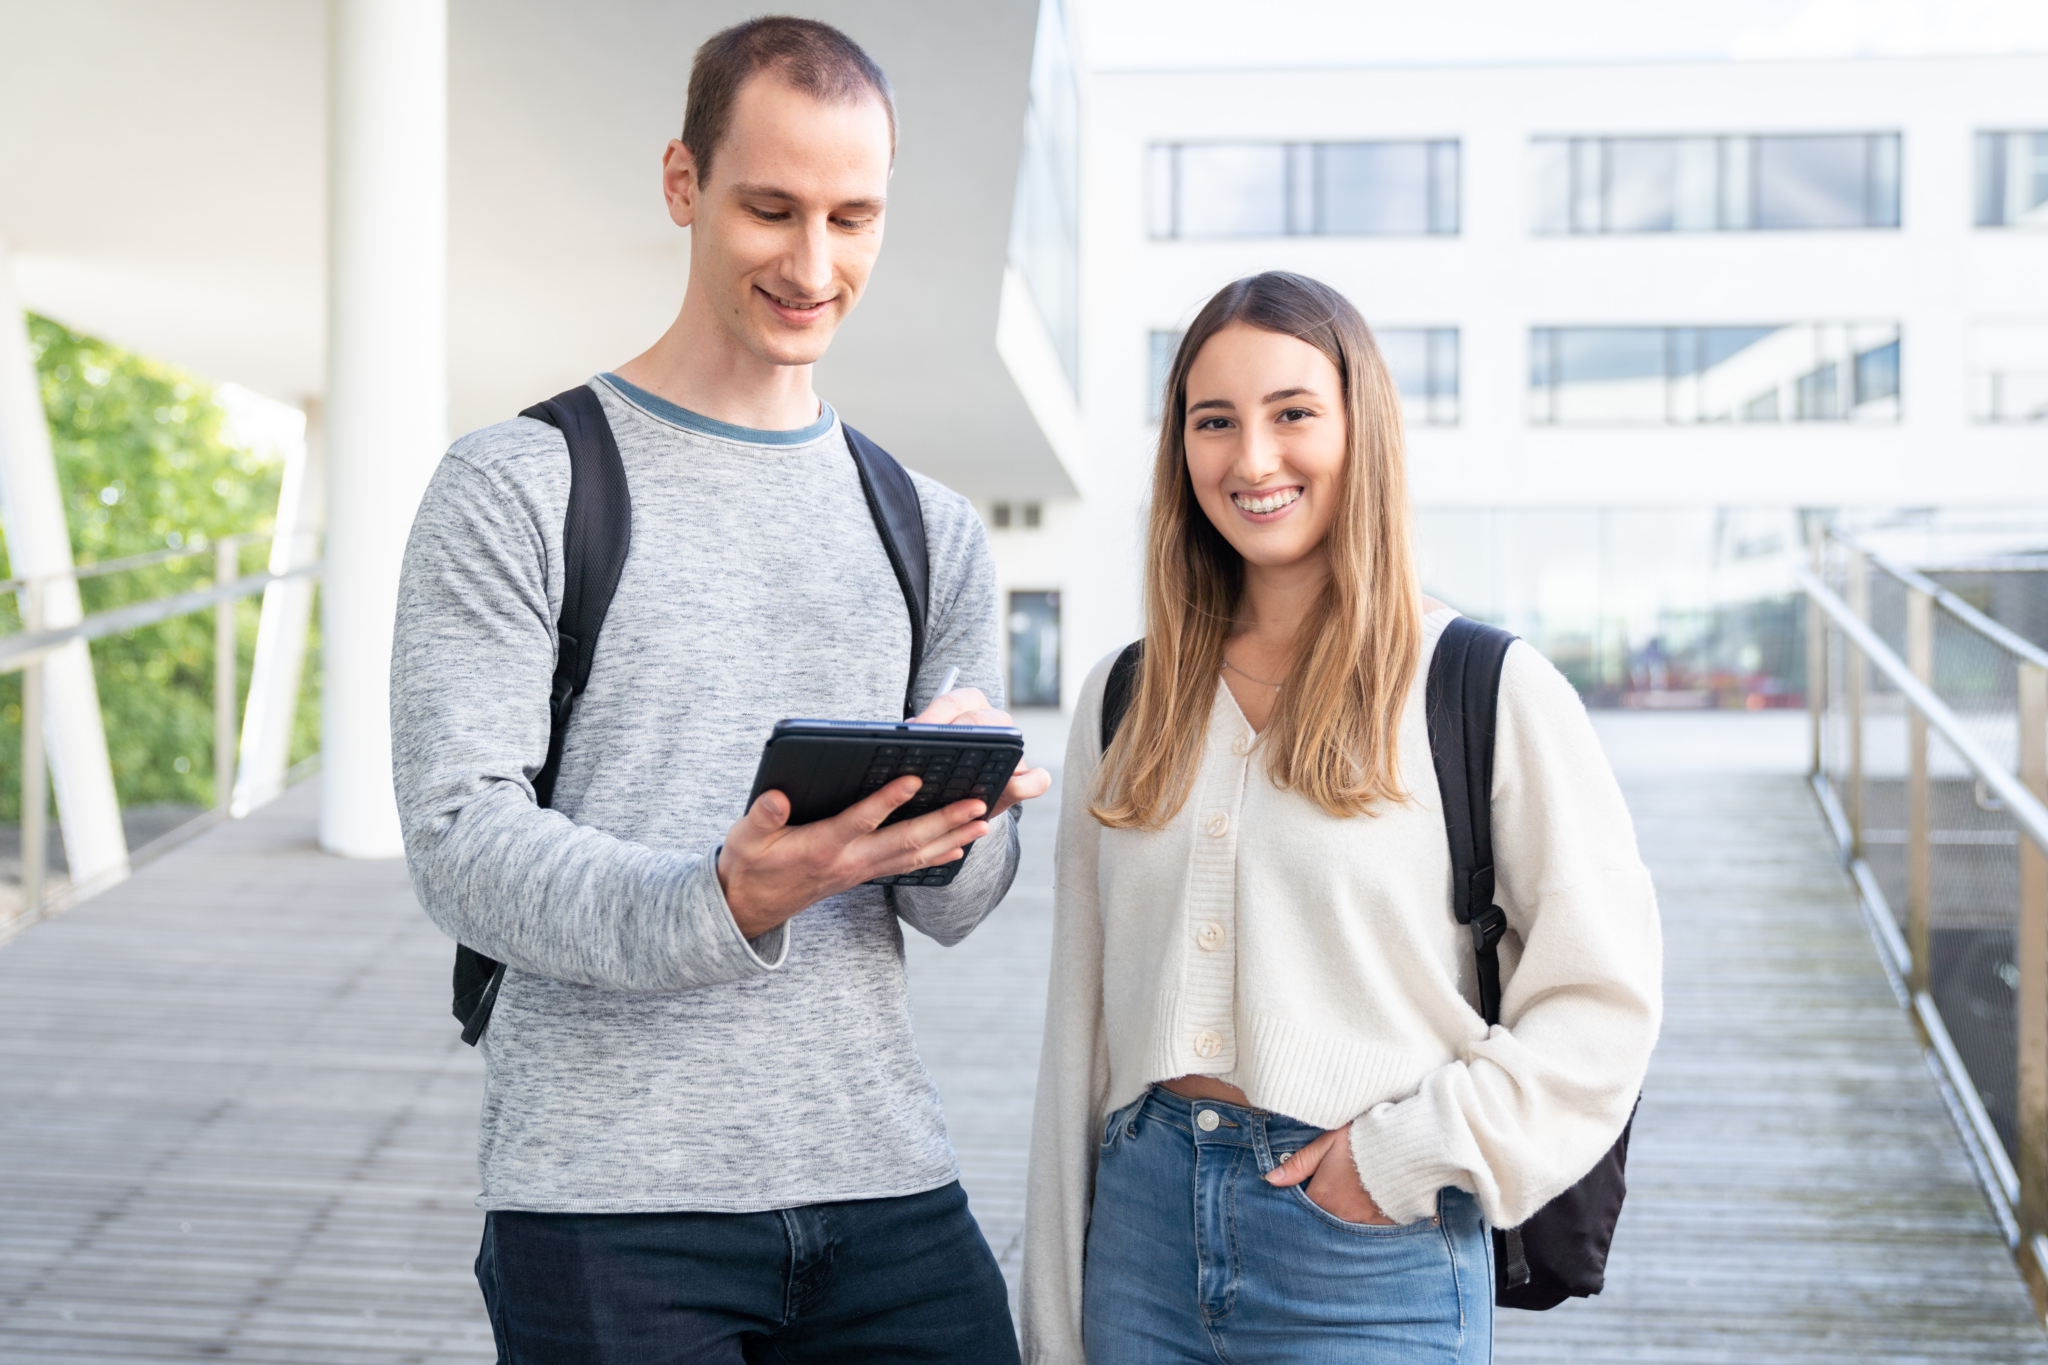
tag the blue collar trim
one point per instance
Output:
(711, 426)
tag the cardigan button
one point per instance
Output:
(1209, 937)
(1219, 825)
(1240, 745)
(1208, 1043)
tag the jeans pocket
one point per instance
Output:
(1374, 1230)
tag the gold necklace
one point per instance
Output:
(1242, 674)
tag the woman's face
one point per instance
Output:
(1266, 442)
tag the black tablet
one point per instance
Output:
(824, 766)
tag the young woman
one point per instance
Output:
(1271, 1125)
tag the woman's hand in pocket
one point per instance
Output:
(1332, 1176)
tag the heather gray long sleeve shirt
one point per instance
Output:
(644, 1056)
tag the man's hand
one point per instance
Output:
(1333, 1183)
(770, 869)
(967, 706)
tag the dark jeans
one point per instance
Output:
(907, 1279)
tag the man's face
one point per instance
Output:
(786, 229)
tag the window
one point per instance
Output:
(1805, 372)
(1303, 189)
(1034, 649)
(1424, 363)
(2012, 179)
(2009, 371)
(1422, 360)
(1163, 345)
(1707, 184)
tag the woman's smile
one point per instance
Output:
(1266, 504)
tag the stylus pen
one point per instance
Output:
(952, 676)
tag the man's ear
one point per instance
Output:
(679, 184)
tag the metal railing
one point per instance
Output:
(27, 651)
(1930, 759)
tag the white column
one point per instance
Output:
(39, 542)
(387, 386)
(281, 633)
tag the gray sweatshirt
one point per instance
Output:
(644, 1056)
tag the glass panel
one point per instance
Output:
(1817, 390)
(1543, 374)
(1034, 649)
(1713, 374)
(1642, 184)
(1375, 187)
(2022, 195)
(1741, 369)
(1589, 181)
(1406, 351)
(1811, 182)
(1045, 224)
(2009, 371)
(1738, 183)
(2033, 176)
(1550, 185)
(1301, 187)
(1424, 364)
(1443, 371)
(1698, 182)
(1443, 187)
(1877, 373)
(1607, 374)
(1159, 366)
(1884, 180)
(1233, 191)
(1159, 196)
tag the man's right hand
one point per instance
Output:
(770, 869)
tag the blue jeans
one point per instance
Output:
(1193, 1257)
(907, 1279)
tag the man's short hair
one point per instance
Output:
(804, 54)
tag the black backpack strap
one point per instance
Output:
(899, 517)
(596, 534)
(1118, 688)
(1461, 700)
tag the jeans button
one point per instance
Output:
(1207, 1120)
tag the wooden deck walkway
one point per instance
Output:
(235, 1123)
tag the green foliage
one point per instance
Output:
(147, 462)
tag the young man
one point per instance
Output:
(706, 1133)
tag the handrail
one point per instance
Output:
(2021, 804)
(18, 651)
(1961, 610)
(144, 560)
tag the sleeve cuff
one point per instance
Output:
(1399, 1154)
(728, 955)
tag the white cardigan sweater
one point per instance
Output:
(1315, 963)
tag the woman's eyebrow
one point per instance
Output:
(1278, 394)
(1223, 403)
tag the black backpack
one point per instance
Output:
(1561, 1252)
(595, 536)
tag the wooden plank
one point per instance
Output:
(236, 1122)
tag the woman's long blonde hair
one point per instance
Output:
(1333, 736)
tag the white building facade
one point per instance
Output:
(1640, 313)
